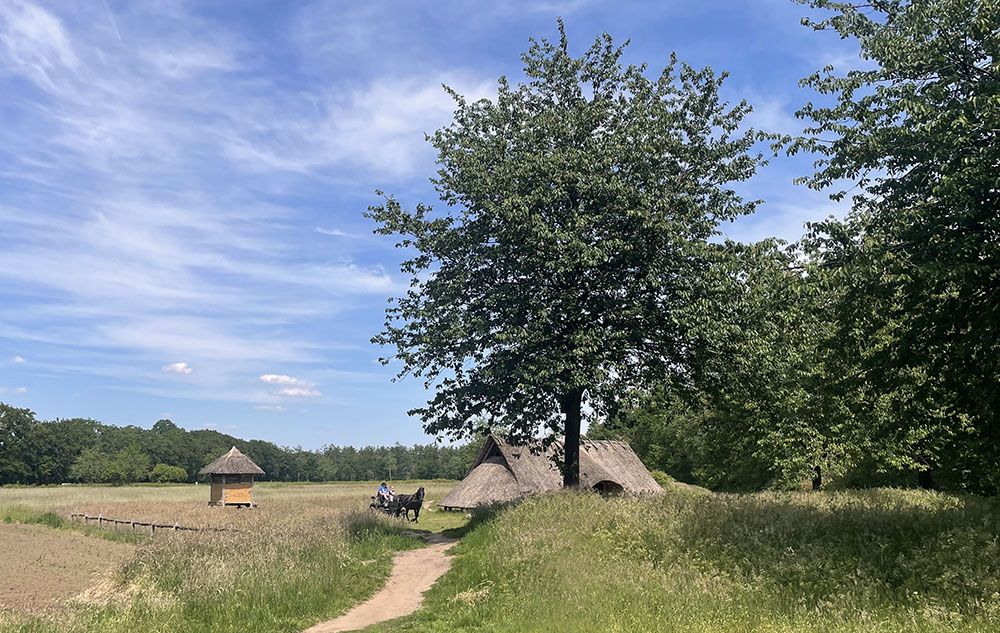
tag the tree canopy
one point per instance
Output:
(871, 348)
(570, 258)
(48, 452)
(917, 132)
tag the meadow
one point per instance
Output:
(878, 560)
(306, 553)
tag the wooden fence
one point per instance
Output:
(110, 523)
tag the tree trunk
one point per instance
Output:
(571, 404)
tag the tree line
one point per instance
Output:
(868, 352)
(35, 451)
(575, 265)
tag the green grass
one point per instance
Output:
(30, 516)
(878, 560)
(881, 560)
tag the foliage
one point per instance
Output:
(91, 466)
(164, 473)
(880, 560)
(869, 350)
(41, 452)
(757, 413)
(917, 132)
(662, 478)
(571, 260)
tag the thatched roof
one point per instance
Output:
(232, 463)
(504, 472)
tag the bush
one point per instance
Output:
(662, 478)
(165, 473)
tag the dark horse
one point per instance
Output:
(405, 503)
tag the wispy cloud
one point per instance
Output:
(18, 360)
(179, 183)
(299, 392)
(35, 42)
(273, 408)
(135, 223)
(333, 232)
(378, 127)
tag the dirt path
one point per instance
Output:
(413, 573)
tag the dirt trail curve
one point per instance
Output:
(413, 573)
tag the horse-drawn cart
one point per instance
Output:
(399, 504)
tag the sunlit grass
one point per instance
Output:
(882, 560)
(307, 553)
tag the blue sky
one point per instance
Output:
(182, 183)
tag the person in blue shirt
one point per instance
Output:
(384, 494)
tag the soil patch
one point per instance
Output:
(41, 567)
(413, 573)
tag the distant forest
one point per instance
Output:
(81, 450)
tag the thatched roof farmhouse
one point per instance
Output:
(504, 472)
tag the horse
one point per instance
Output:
(405, 503)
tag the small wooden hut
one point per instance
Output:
(504, 472)
(232, 479)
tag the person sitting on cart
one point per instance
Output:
(384, 494)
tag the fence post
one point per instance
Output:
(152, 529)
(100, 520)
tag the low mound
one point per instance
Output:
(885, 560)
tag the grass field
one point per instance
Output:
(307, 553)
(879, 560)
(882, 560)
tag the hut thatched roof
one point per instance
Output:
(504, 472)
(232, 463)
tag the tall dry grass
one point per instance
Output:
(881, 560)
(307, 553)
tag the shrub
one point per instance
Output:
(165, 473)
(662, 478)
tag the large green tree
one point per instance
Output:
(758, 412)
(570, 258)
(916, 132)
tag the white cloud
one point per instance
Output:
(299, 392)
(281, 379)
(291, 387)
(21, 390)
(18, 360)
(177, 368)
